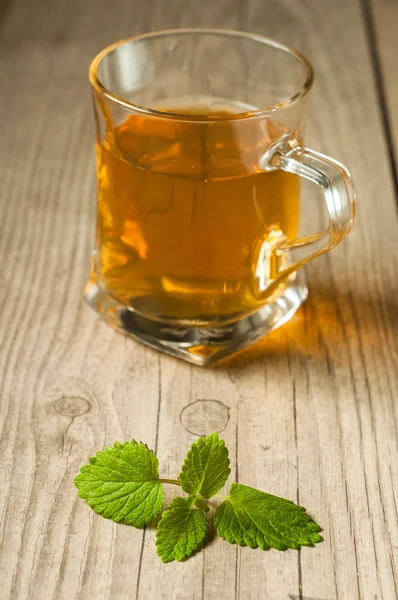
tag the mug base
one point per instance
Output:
(201, 346)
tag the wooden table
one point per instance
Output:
(310, 413)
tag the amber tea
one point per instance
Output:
(182, 212)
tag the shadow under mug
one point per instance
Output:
(199, 159)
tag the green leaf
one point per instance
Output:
(258, 520)
(206, 467)
(122, 483)
(181, 530)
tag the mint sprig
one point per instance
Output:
(122, 483)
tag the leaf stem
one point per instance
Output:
(173, 481)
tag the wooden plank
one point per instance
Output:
(209, 573)
(382, 17)
(70, 384)
(341, 383)
(310, 411)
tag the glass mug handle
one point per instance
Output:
(336, 183)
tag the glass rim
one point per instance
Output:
(165, 114)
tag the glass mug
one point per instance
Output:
(199, 159)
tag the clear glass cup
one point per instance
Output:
(199, 158)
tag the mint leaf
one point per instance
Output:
(181, 530)
(122, 484)
(258, 520)
(206, 467)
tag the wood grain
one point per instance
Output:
(381, 19)
(310, 413)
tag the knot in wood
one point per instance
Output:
(72, 406)
(203, 417)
